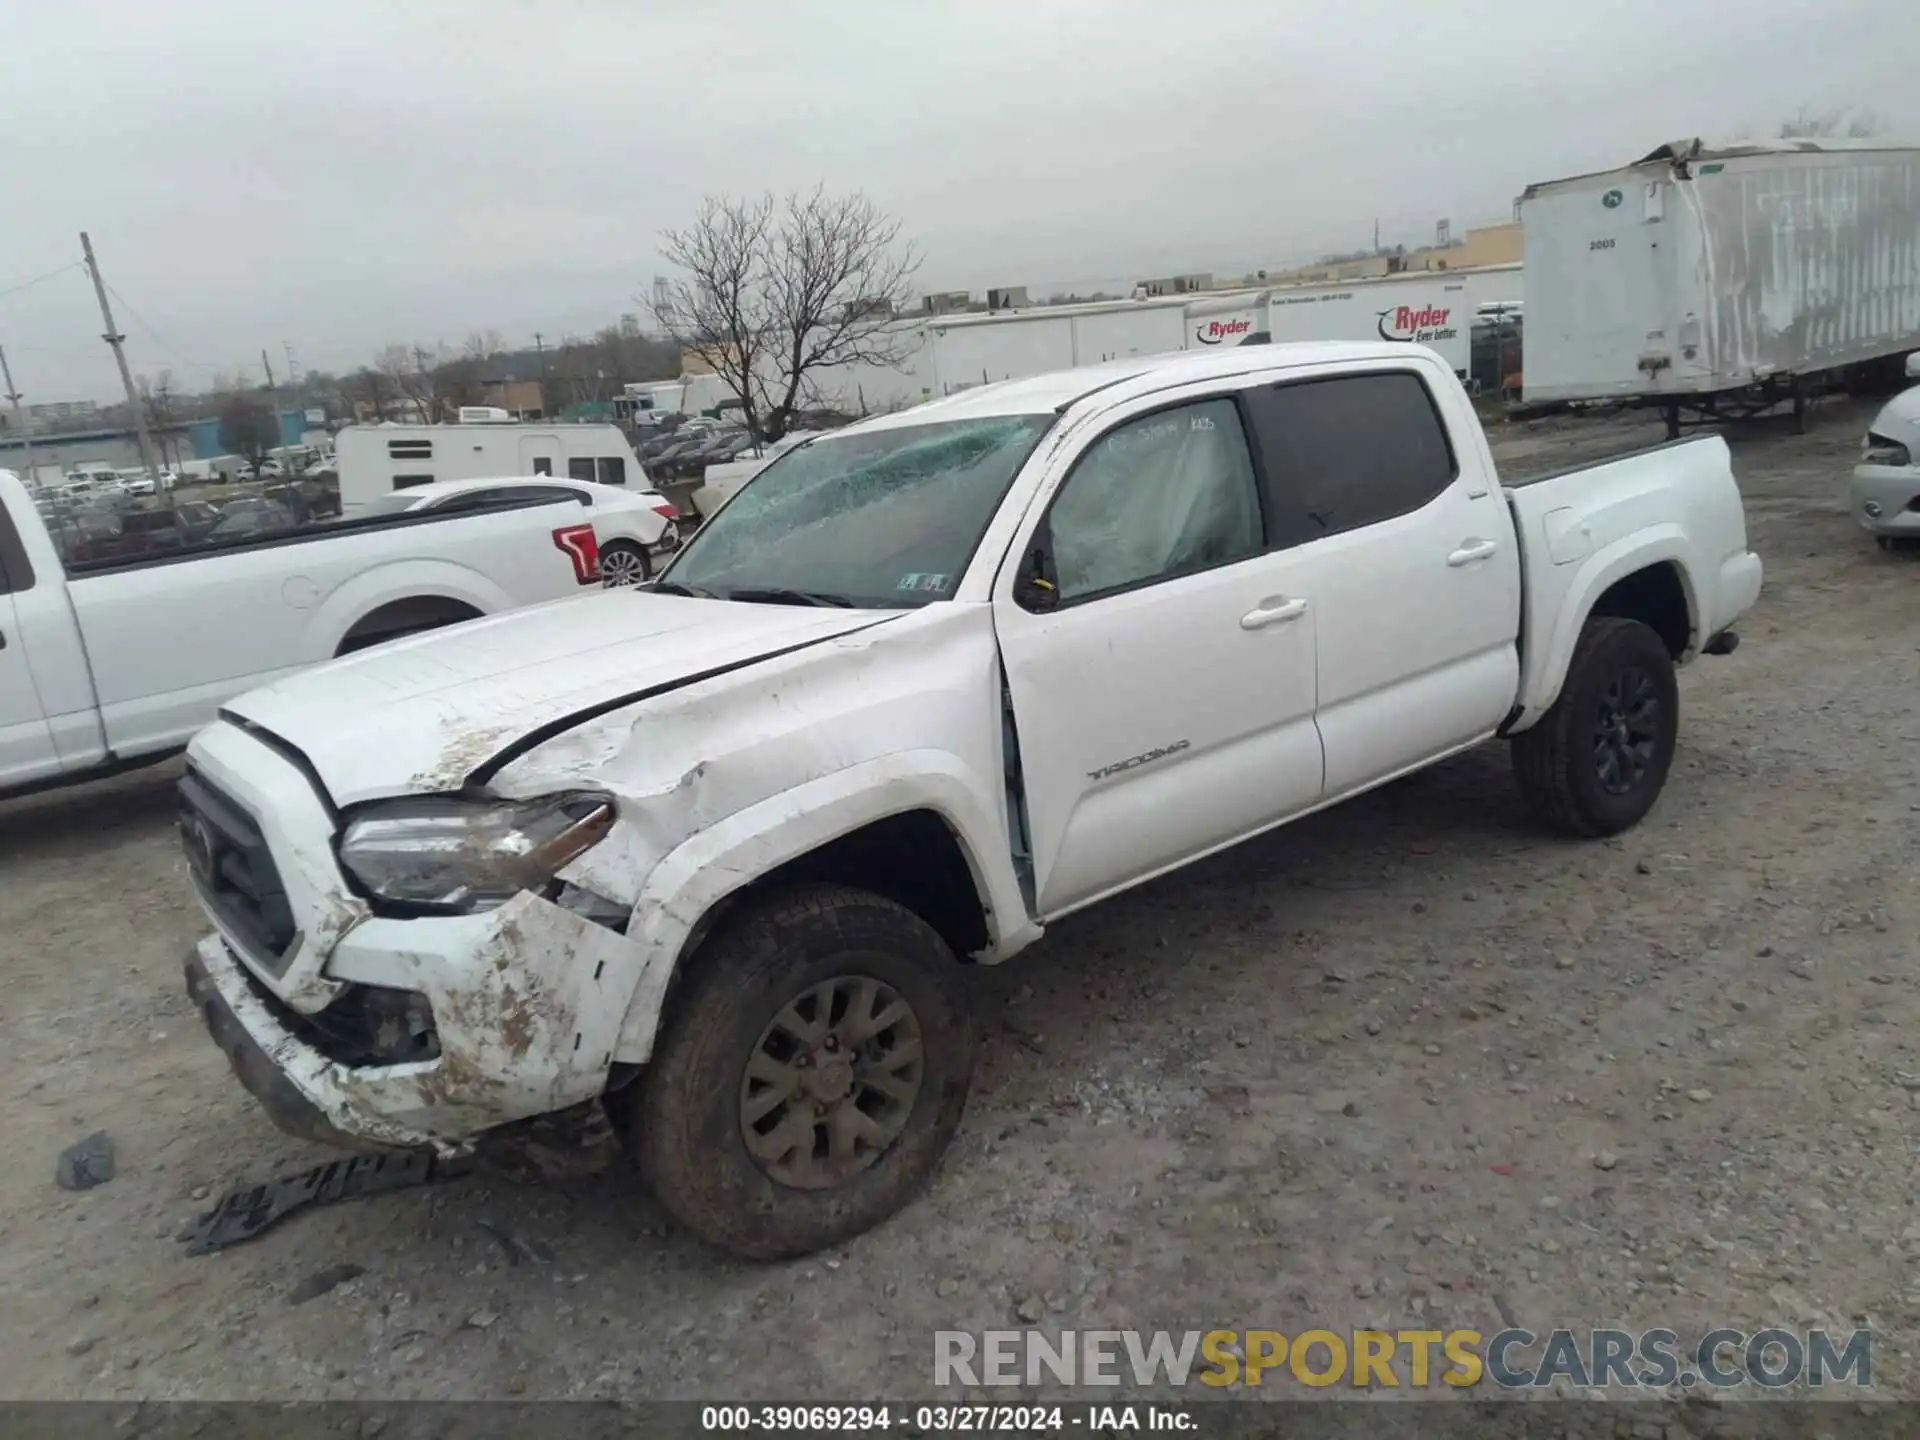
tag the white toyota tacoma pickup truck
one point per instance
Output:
(109, 664)
(715, 849)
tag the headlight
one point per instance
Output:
(455, 856)
(1879, 450)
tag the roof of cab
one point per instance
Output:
(1134, 375)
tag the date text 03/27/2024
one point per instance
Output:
(943, 1419)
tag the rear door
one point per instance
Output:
(1407, 554)
(26, 740)
(1163, 701)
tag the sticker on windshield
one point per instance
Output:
(919, 581)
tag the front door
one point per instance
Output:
(1163, 688)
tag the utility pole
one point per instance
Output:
(20, 419)
(114, 338)
(293, 369)
(273, 403)
(540, 349)
(164, 415)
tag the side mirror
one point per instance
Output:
(1913, 366)
(1034, 587)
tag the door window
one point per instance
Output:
(543, 465)
(1349, 451)
(1167, 494)
(527, 495)
(16, 572)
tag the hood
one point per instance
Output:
(1899, 419)
(422, 715)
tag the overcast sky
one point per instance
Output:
(339, 176)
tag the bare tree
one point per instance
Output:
(1809, 124)
(249, 428)
(776, 291)
(370, 386)
(483, 345)
(414, 371)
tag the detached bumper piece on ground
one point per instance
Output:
(247, 1212)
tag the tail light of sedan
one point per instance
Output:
(582, 547)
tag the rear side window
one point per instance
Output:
(1347, 452)
(16, 573)
(613, 470)
(580, 468)
(407, 482)
(536, 495)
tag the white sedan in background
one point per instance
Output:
(628, 525)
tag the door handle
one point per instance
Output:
(1272, 612)
(1471, 551)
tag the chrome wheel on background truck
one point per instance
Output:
(622, 564)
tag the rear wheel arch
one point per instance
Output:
(405, 616)
(1658, 596)
(1651, 584)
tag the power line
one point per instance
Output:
(40, 279)
(172, 350)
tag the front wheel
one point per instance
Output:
(1595, 763)
(807, 1078)
(623, 563)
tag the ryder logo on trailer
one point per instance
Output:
(1418, 324)
(1230, 330)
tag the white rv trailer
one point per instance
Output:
(1721, 279)
(947, 353)
(376, 460)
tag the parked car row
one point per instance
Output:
(688, 451)
(117, 644)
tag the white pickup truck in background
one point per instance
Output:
(111, 664)
(716, 850)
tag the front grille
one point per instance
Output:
(234, 872)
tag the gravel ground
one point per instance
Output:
(1408, 1063)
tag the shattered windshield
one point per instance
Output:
(882, 519)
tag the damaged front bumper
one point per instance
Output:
(515, 1026)
(375, 1030)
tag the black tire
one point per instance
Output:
(1572, 765)
(628, 562)
(683, 1121)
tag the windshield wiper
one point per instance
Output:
(775, 596)
(674, 587)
